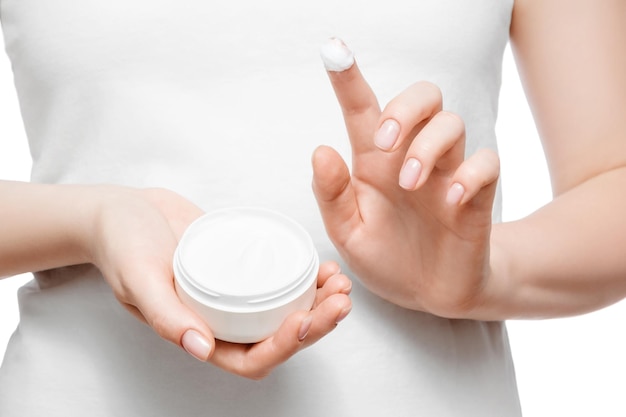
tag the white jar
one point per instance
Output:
(244, 270)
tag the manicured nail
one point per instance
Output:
(410, 173)
(305, 327)
(196, 345)
(344, 313)
(387, 135)
(337, 57)
(455, 194)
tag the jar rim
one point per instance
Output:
(222, 232)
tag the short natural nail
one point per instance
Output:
(387, 135)
(455, 194)
(344, 313)
(305, 327)
(347, 289)
(410, 173)
(196, 345)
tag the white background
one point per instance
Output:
(565, 367)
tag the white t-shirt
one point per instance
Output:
(224, 103)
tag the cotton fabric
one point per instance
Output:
(224, 103)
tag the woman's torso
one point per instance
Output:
(224, 103)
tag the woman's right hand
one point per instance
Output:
(130, 235)
(134, 236)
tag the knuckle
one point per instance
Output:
(471, 174)
(161, 325)
(419, 101)
(254, 374)
(492, 158)
(481, 169)
(402, 111)
(159, 195)
(424, 150)
(453, 121)
(451, 127)
(359, 108)
(428, 87)
(430, 90)
(333, 267)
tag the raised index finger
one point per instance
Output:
(358, 103)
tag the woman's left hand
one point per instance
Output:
(413, 219)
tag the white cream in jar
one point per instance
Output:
(244, 270)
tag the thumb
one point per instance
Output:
(335, 195)
(160, 307)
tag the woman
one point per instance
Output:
(222, 104)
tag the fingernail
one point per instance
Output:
(305, 327)
(348, 289)
(336, 55)
(196, 345)
(455, 194)
(344, 313)
(410, 173)
(387, 135)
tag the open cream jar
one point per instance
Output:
(243, 270)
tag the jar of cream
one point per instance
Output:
(244, 270)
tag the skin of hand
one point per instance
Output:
(413, 217)
(131, 235)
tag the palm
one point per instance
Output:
(137, 233)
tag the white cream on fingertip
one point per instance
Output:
(336, 55)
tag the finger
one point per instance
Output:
(337, 284)
(326, 316)
(404, 116)
(334, 193)
(299, 330)
(356, 99)
(475, 180)
(326, 270)
(257, 360)
(441, 144)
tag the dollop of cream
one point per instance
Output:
(336, 55)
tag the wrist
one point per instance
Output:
(99, 208)
(78, 211)
(44, 226)
(498, 290)
(507, 292)
(494, 300)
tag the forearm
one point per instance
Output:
(565, 259)
(43, 226)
